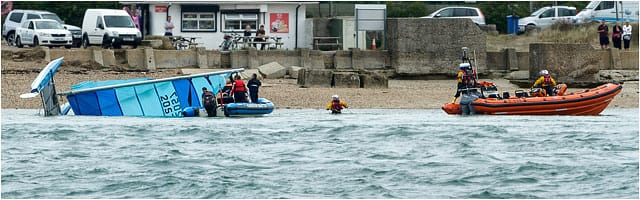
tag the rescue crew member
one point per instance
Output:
(465, 79)
(254, 84)
(239, 90)
(547, 82)
(335, 105)
(209, 102)
(226, 92)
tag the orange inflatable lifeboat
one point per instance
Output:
(587, 102)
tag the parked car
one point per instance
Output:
(45, 32)
(545, 17)
(15, 18)
(109, 28)
(459, 12)
(606, 10)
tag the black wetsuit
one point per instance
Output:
(253, 85)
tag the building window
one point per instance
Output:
(198, 21)
(235, 22)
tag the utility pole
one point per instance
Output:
(622, 9)
(616, 2)
(530, 6)
(330, 8)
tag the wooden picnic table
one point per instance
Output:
(248, 41)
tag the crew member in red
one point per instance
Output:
(335, 105)
(239, 90)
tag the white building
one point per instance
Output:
(209, 21)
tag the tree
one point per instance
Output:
(71, 12)
(406, 9)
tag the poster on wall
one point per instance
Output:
(161, 9)
(279, 22)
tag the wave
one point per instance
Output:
(490, 195)
(520, 180)
(535, 167)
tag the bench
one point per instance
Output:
(327, 41)
(278, 45)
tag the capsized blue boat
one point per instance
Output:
(167, 97)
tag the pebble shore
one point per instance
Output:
(285, 93)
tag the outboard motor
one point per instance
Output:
(466, 100)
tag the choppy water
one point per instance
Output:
(310, 154)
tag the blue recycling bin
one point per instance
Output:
(512, 24)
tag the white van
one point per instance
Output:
(109, 28)
(599, 10)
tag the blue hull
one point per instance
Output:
(166, 97)
(263, 107)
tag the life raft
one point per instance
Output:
(262, 107)
(587, 102)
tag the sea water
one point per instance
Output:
(313, 154)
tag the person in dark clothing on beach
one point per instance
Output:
(603, 30)
(616, 36)
(254, 84)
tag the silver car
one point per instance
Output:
(547, 16)
(459, 12)
(16, 17)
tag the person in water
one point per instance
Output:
(239, 90)
(547, 82)
(254, 84)
(335, 105)
(209, 102)
(465, 79)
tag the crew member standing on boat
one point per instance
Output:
(226, 92)
(239, 90)
(465, 80)
(254, 84)
(547, 82)
(209, 102)
(335, 105)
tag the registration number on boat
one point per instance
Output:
(170, 104)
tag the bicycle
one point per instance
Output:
(180, 43)
(230, 42)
